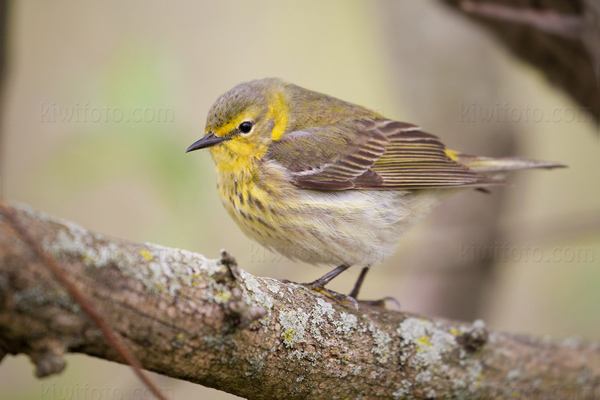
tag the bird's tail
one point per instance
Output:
(498, 164)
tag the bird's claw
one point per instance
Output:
(379, 303)
(340, 298)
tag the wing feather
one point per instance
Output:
(374, 154)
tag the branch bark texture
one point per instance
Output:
(209, 322)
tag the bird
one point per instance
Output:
(328, 182)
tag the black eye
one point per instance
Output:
(245, 127)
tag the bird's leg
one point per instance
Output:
(359, 282)
(328, 277)
(319, 286)
(358, 285)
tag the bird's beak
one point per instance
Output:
(207, 141)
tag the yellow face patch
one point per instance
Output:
(237, 155)
(223, 130)
(226, 161)
(279, 111)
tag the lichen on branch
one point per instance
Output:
(210, 322)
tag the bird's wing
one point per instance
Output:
(375, 154)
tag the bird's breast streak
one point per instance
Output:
(249, 205)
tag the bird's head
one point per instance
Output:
(244, 121)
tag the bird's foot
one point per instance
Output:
(371, 303)
(345, 300)
(381, 303)
(319, 286)
(340, 298)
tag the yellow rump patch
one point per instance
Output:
(280, 112)
(452, 154)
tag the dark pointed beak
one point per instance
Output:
(207, 141)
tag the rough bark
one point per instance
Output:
(559, 37)
(209, 322)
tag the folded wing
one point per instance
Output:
(375, 154)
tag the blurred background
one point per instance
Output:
(101, 99)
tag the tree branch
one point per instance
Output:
(559, 37)
(45, 368)
(567, 26)
(206, 321)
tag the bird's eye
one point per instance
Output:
(245, 127)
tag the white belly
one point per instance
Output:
(350, 227)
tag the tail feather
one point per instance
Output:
(496, 164)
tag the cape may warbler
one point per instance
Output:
(329, 182)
